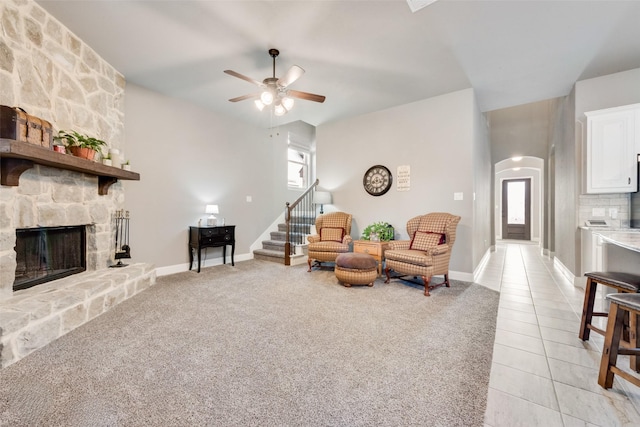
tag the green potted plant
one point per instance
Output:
(378, 231)
(82, 146)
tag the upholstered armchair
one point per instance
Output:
(333, 238)
(428, 252)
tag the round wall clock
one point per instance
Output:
(377, 180)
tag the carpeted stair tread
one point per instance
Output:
(281, 236)
(301, 228)
(273, 245)
(268, 255)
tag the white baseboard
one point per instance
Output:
(564, 270)
(459, 275)
(179, 268)
(482, 263)
(299, 259)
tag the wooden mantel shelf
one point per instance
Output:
(17, 157)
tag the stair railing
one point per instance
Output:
(299, 216)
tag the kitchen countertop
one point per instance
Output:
(625, 238)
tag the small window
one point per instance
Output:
(298, 168)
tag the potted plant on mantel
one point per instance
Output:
(82, 146)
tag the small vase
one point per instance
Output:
(107, 162)
(126, 167)
(115, 157)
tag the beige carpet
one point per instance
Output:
(260, 344)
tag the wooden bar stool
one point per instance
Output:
(621, 306)
(623, 283)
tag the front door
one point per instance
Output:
(516, 209)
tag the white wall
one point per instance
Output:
(565, 185)
(612, 90)
(189, 157)
(436, 137)
(482, 202)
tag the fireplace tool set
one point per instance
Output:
(122, 237)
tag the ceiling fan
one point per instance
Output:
(274, 90)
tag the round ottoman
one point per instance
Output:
(356, 269)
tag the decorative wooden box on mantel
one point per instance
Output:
(17, 157)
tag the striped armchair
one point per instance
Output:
(428, 252)
(333, 238)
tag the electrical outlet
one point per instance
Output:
(613, 213)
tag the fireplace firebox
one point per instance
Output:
(49, 253)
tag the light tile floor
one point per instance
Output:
(542, 374)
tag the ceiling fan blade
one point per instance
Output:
(243, 77)
(243, 97)
(291, 76)
(306, 95)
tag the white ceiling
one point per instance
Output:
(362, 55)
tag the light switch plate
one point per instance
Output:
(249, 199)
(458, 196)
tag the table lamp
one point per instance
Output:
(211, 209)
(322, 198)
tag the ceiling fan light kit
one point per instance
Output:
(274, 90)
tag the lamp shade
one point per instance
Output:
(322, 198)
(211, 209)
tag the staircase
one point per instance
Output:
(299, 217)
(274, 248)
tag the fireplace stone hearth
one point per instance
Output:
(34, 317)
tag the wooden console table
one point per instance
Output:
(211, 237)
(375, 249)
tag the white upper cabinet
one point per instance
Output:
(613, 143)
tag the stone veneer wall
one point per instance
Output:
(52, 74)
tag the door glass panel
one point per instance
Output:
(515, 206)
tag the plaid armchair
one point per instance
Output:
(333, 238)
(428, 252)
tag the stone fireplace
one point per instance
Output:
(49, 72)
(49, 197)
(52, 74)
